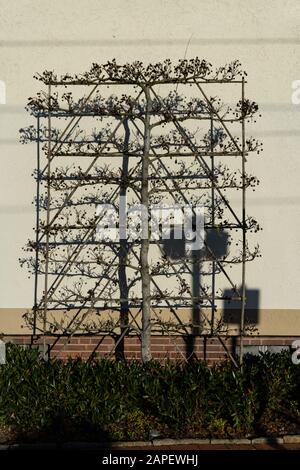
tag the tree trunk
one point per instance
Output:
(146, 301)
(123, 251)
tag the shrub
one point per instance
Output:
(118, 400)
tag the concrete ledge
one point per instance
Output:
(291, 439)
(230, 441)
(179, 442)
(121, 444)
(165, 442)
(267, 440)
(288, 439)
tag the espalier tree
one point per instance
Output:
(155, 135)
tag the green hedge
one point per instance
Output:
(117, 400)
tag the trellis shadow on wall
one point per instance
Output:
(216, 247)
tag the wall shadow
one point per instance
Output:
(232, 309)
(176, 249)
(217, 241)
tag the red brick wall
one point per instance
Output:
(163, 347)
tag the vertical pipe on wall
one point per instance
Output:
(144, 253)
(243, 296)
(47, 228)
(37, 227)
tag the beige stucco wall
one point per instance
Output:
(69, 36)
(277, 322)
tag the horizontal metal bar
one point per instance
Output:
(140, 84)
